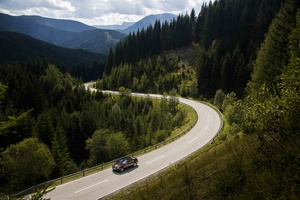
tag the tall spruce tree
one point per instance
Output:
(272, 56)
(63, 162)
(290, 81)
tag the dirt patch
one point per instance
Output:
(186, 55)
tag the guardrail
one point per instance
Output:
(103, 166)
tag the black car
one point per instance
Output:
(124, 163)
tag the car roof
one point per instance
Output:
(125, 158)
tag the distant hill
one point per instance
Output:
(116, 27)
(60, 24)
(146, 21)
(64, 33)
(98, 40)
(128, 27)
(16, 46)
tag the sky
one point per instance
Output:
(99, 12)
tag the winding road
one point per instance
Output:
(103, 183)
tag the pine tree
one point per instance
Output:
(290, 80)
(60, 152)
(44, 128)
(111, 60)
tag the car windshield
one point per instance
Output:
(123, 161)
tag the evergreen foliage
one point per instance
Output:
(228, 33)
(30, 48)
(165, 74)
(272, 56)
(68, 120)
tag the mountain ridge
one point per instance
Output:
(62, 24)
(74, 34)
(122, 26)
(146, 21)
(17, 46)
(59, 32)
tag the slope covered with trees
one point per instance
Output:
(258, 157)
(22, 48)
(227, 34)
(49, 120)
(28, 47)
(154, 75)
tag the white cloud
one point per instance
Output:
(98, 11)
(165, 4)
(63, 5)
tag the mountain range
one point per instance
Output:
(64, 33)
(128, 27)
(116, 26)
(73, 34)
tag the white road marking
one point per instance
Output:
(90, 186)
(155, 160)
(206, 127)
(80, 179)
(192, 140)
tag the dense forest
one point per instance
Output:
(47, 115)
(154, 75)
(227, 34)
(79, 63)
(243, 56)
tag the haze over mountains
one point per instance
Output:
(116, 26)
(73, 34)
(143, 23)
(64, 33)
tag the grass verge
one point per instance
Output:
(233, 169)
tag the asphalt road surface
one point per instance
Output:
(103, 183)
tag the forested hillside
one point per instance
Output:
(227, 34)
(28, 47)
(48, 119)
(25, 49)
(256, 156)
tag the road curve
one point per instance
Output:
(103, 183)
